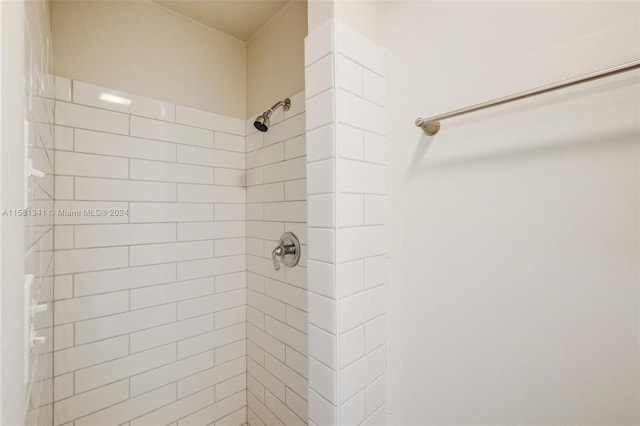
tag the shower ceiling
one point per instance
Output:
(238, 18)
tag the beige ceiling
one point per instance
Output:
(238, 18)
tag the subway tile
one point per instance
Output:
(82, 356)
(321, 411)
(229, 142)
(207, 267)
(265, 193)
(232, 281)
(122, 368)
(358, 375)
(349, 75)
(285, 170)
(131, 408)
(158, 336)
(96, 96)
(210, 304)
(62, 88)
(230, 212)
(352, 412)
(71, 261)
(265, 230)
(352, 345)
(123, 190)
(170, 212)
(292, 295)
(255, 176)
(254, 141)
(376, 395)
(375, 333)
(231, 387)
(360, 242)
(295, 190)
(375, 210)
(350, 142)
(89, 402)
(296, 318)
(82, 308)
(322, 312)
(289, 211)
(351, 277)
(287, 129)
(286, 334)
(356, 46)
(227, 317)
(362, 307)
(63, 386)
(281, 410)
(289, 376)
(230, 177)
(218, 412)
(63, 336)
(63, 188)
(211, 193)
(144, 382)
(83, 117)
(63, 138)
(266, 304)
(321, 177)
(321, 110)
(322, 346)
(123, 146)
(211, 157)
(86, 236)
(321, 278)
(211, 340)
(205, 379)
(322, 244)
(123, 279)
(350, 210)
(318, 43)
(230, 246)
(170, 293)
(211, 230)
(124, 323)
(358, 112)
(266, 341)
(170, 132)
(158, 171)
(209, 120)
(322, 380)
(373, 87)
(63, 237)
(267, 155)
(319, 76)
(176, 410)
(375, 148)
(296, 147)
(375, 271)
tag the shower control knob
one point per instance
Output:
(287, 251)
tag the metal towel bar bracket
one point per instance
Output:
(431, 125)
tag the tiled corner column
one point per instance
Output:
(346, 152)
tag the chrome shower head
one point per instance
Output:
(262, 122)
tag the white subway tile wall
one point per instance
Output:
(150, 285)
(40, 88)
(276, 300)
(346, 157)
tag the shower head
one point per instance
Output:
(262, 122)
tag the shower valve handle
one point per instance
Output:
(287, 251)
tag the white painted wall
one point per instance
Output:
(143, 48)
(514, 232)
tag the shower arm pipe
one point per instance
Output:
(431, 125)
(285, 104)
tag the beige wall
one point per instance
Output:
(143, 48)
(275, 58)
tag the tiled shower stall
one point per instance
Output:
(168, 309)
